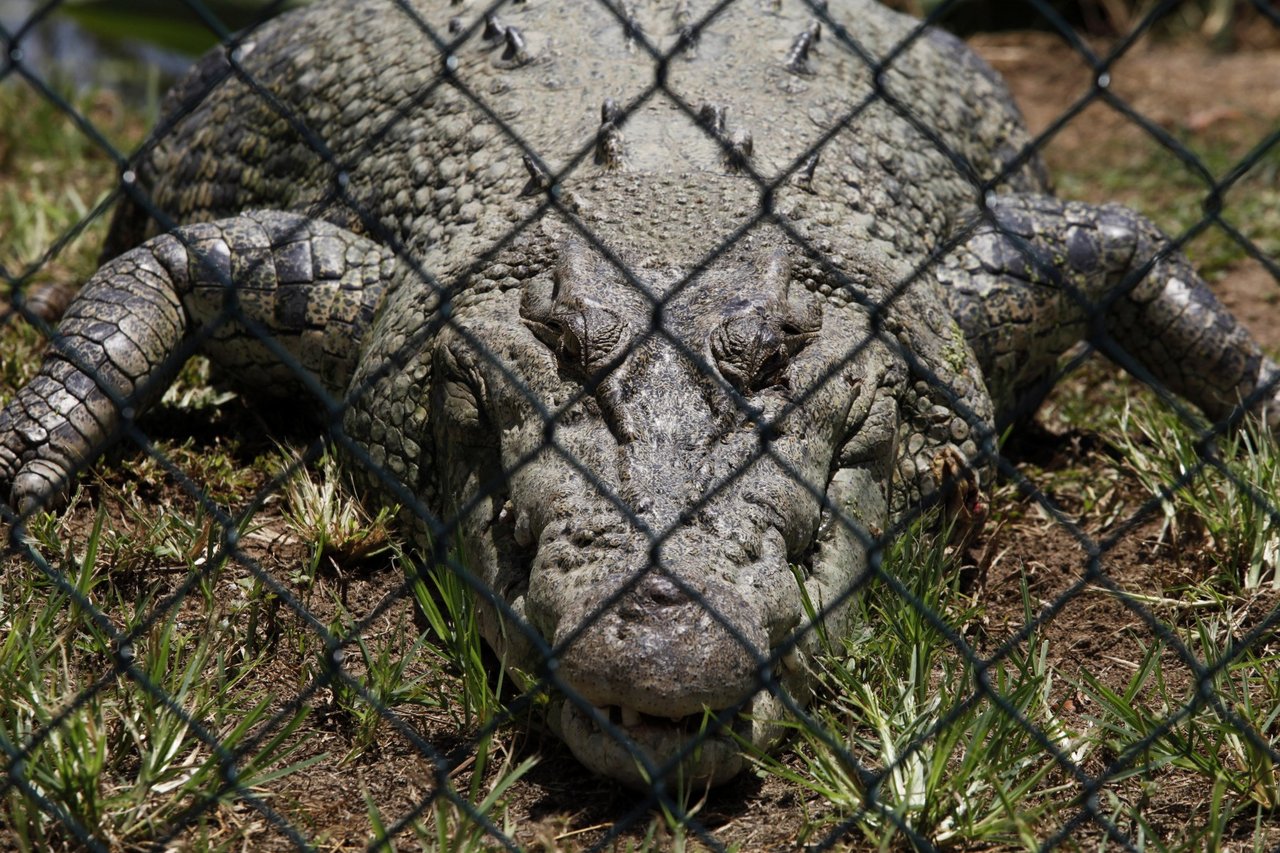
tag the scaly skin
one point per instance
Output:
(543, 310)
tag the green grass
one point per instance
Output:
(116, 746)
(133, 748)
(323, 513)
(907, 744)
(448, 607)
(1217, 498)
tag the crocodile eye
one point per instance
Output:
(584, 337)
(574, 314)
(761, 329)
(752, 353)
(772, 371)
(756, 340)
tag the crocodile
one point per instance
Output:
(668, 315)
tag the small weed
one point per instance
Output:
(1215, 497)
(462, 820)
(340, 533)
(388, 677)
(449, 608)
(669, 827)
(1153, 728)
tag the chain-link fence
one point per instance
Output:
(698, 507)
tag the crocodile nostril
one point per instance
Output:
(656, 651)
(653, 593)
(662, 590)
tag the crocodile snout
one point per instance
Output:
(664, 648)
(671, 668)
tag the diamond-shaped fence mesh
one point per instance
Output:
(681, 366)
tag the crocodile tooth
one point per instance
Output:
(630, 717)
(609, 111)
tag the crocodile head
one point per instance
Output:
(648, 455)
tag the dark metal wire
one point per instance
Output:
(15, 780)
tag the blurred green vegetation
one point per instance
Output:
(169, 25)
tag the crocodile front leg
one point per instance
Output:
(262, 294)
(1043, 274)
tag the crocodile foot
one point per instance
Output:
(964, 507)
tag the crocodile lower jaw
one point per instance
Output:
(693, 751)
(713, 761)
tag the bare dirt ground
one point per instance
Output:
(1183, 89)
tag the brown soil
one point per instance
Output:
(558, 806)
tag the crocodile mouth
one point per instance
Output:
(696, 749)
